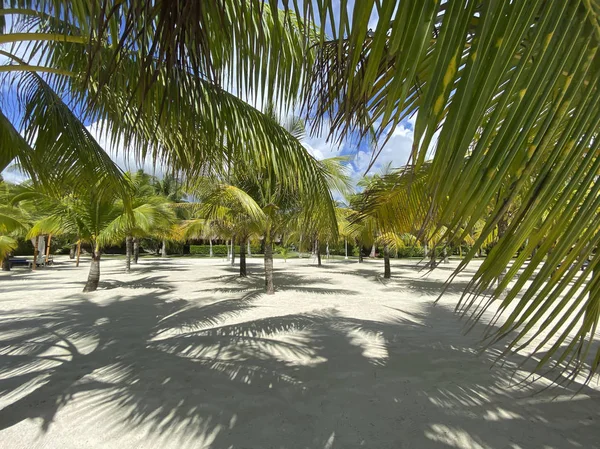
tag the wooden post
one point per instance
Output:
(48, 249)
(35, 253)
(78, 253)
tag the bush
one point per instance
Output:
(410, 251)
(219, 250)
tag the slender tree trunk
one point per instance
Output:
(128, 250)
(48, 248)
(318, 250)
(249, 250)
(269, 266)
(72, 251)
(6, 263)
(360, 254)
(445, 254)
(300, 248)
(346, 248)
(373, 250)
(136, 250)
(94, 275)
(387, 272)
(242, 259)
(78, 253)
(35, 253)
(228, 250)
(327, 250)
(232, 251)
(163, 249)
(210, 252)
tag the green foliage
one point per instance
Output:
(219, 250)
(410, 251)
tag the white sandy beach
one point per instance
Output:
(184, 354)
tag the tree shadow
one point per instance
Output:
(183, 376)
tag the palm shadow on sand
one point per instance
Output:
(177, 370)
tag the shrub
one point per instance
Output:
(410, 251)
(219, 250)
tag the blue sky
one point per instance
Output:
(396, 151)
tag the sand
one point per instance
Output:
(183, 354)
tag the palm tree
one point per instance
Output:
(98, 217)
(14, 223)
(502, 89)
(170, 188)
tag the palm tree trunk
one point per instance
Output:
(300, 248)
(94, 275)
(373, 250)
(128, 248)
(6, 263)
(163, 250)
(242, 259)
(78, 253)
(48, 248)
(210, 253)
(318, 250)
(228, 250)
(136, 250)
(249, 251)
(387, 272)
(445, 254)
(360, 254)
(269, 266)
(232, 251)
(35, 253)
(72, 251)
(346, 249)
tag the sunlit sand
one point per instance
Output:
(182, 353)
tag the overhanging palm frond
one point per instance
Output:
(7, 245)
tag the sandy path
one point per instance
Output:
(183, 354)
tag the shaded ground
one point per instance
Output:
(182, 353)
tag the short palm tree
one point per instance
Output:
(98, 217)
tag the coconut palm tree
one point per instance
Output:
(98, 217)
(509, 86)
(14, 223)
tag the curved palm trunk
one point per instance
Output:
(48, 248)
(163, 249)
(35, 253)
(269, 267)
(6, 263)
(318, 250)
(242, 259)
(128, 250)
(387, 272)
(94, 275)
(78, 253)
(136, 250)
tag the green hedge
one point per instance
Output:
(410, 251)
(219, 250)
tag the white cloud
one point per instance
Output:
(319, 147)
(118, 153)
(395, 152)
